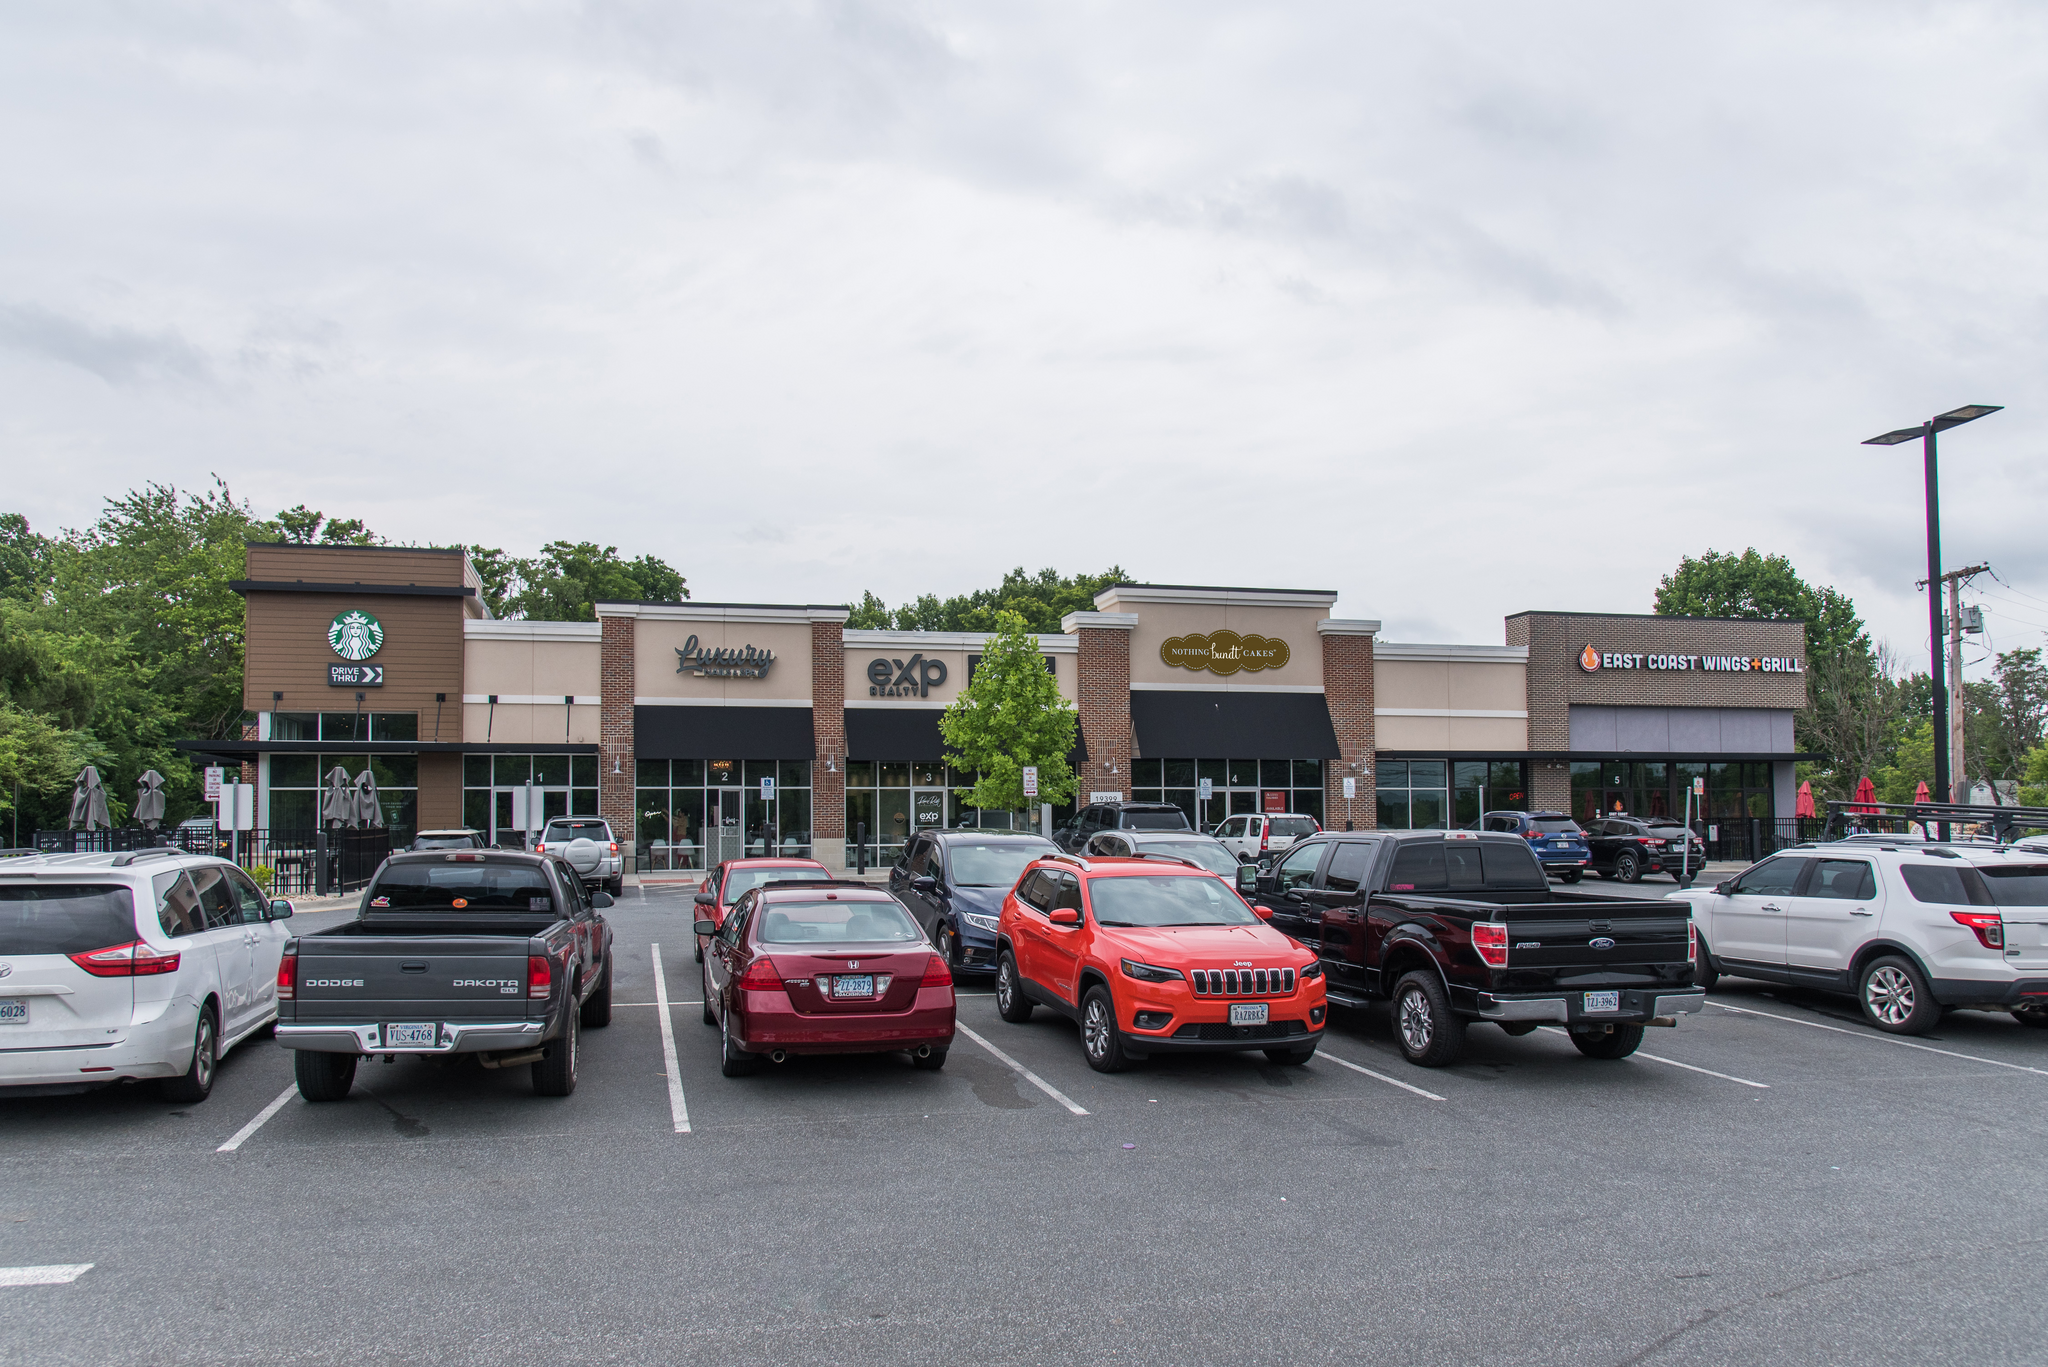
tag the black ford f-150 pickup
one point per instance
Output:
(1458, 926)
(494, 953)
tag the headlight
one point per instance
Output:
(1148, 973)
(1314, 970)
(980, 922)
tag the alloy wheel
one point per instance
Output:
(1888, 994)
(1006, 987)
(1416, 1025)
(1095, 1028)
(203, 1052)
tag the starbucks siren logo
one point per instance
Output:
(355, 634)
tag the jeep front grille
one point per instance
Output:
(1241, 982)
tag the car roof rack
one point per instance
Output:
(1063, 857)
(123, 860)
(1167, 859)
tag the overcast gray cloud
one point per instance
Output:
(1457, 309)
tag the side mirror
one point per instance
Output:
(707, 927)
(1722, 887)
(1064, 916)
(1263, 913)
(600, 899)
(1247, 877)
(706, 899)
(280, 908)
(924, 882)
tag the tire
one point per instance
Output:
(1011, 1003)
(931, 1063)
(1628, 868)
(197, 1082)
(1895, 997)
(597, 1007)
(1517, 1028)
(1430, 1036)
(1292, 1058)
(555, 1075)
(1101, 1042)
(1572, 875)
(1618, 1043)
(734, 1061)
(324, 1077)
(616, 885)
(2031, 1015)
(1704, 974)
(710, 1016)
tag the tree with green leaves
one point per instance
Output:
(305, 526)
(1041, 599)
(566, 580)
(24, 559)
(1009, 717)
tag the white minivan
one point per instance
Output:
(147, 964)
(1909, 929)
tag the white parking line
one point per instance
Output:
(1390, 1081)
(1884, 1039)
(670, 1004)
(677, 1110)
(1689, 1067)
(1034, 1079)
(55, 1274)
(268, 1111)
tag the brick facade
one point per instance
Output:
(1102, 681)
(1348, 692)
(615, 727)
(828, 727)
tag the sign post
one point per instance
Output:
(1205, 790)
(215, 776)
(1031, 780)
(1350, 791)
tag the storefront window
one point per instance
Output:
(1436, 794)
(693, 814)
(297, 782)
(1297, 783)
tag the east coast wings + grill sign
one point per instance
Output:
(1224, 652)
(1593, 660)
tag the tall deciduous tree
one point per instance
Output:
(566, 580)
(1041, 599)
(1011, 716)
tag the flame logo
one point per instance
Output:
(1589, 659)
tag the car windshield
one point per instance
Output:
(577, 830)
(2017, 885)
(461, 887)
(741, 881)
(996, 864)
(1566, 827)
(64, 918)
(1212, 857)
(840, 922)
(1175, 820)
(1167, 901)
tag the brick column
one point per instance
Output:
(828, 729)
(1544, 693)
(1102, 686)
(615, 732)
(1348, 692)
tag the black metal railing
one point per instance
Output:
(301, 861)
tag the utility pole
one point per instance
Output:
(1955, 579)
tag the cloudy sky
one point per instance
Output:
(1458, 309)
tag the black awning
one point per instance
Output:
(1232, 726)
(910, 734)
(723, 733)
(243, 749)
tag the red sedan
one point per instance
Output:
(733, 879)
(838, 969)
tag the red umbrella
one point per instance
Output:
(1866, 791)
(1804, 807)
(1920, 793)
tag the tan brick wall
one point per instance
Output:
(828, 727)
(1348, 692)
(1104, 686)
(615, 727)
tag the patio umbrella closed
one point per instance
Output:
(1866, 791)
(1804, 806)
(369, 811)
(338, 802)
(149, 799)
(89, 802)
(1920, 793)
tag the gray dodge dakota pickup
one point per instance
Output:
(494, 953)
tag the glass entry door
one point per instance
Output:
(724, 835)
(511, 822)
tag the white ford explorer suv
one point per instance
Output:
(150, 964)
(1908, 929)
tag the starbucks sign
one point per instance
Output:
(355, 634)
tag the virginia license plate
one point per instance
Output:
(396, 1036)
(1248, 1013)
(854, 985)
(1603, 1001)
(13, 1010)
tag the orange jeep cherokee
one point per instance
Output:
(1151, 956)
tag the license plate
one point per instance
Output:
(13, 1010)
(1603, 1001)
(854, 985)
(396, 1035)
(1248, 1013)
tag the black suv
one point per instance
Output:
(1118, 816)
(953, 884)
(1628, 847)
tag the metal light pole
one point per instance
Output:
(1925, 432)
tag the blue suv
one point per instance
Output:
(954, 882)
(1555, 839)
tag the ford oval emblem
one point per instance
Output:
(1600, 942)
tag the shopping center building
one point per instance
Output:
(705, 730)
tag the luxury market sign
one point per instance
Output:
(1593, 660)
(1224, 652)
(723, 662)
(355, 634)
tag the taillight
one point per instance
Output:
(540, 976)
(1490, 938)
(288, 977)
(936, 974)
(1532, 835)
(1692, 941)
(132, 960)
(761, 977)
(1263, 838)
(1990, 930)
(615, 847)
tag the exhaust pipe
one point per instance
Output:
(924, 1051)
(511, 1060)
(778, 1056)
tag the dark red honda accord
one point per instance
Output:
(823, 968)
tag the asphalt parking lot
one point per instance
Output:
(1770, 1182)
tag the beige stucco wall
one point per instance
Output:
(1458, 686)
(1158, 621)
(537, 667)
(1447, 734)
(656, 640)
(523, 723)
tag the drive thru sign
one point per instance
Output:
(1031, 780)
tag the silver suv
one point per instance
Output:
(1907, 928)
(587, 844)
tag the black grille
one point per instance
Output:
(1242, 982)
(1214, 1031)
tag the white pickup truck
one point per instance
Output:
(586, 843)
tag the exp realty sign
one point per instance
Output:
(915, 677)
(1592, 661)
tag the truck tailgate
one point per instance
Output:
(446, 977)
(1612, 944)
